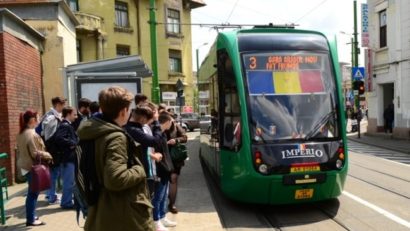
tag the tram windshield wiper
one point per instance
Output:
(321, 123)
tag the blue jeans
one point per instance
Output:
(67, 174)
(51, 193)
(159, 200)
(31, 201)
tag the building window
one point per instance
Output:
(121, 14)
(383, 28)
(123, 50)
(73, 4)
(79, 54)
(175, 63)
(173, 20)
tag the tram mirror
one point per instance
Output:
(228, 132)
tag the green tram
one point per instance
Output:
(278, 129)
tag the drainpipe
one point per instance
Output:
(137, 4)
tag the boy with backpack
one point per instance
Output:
(46, 129)
(122, 201)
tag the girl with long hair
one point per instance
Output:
(29, 145)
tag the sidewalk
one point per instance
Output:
(196, 209)
(382, 140)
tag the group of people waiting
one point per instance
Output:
(132, 158)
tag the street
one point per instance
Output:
(376, 197)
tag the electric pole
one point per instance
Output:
(356, 64)
(154, 62)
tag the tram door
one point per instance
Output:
(229, 108)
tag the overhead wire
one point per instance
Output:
(310, 11)
(233, 9)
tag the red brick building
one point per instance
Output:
(20, 80)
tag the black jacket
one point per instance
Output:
(136, 131)
(165, 167)
(66, 139)
(80, 118)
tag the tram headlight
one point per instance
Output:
(263, 168)
(339, 164)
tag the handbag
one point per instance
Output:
(179, 153)
(40, 176)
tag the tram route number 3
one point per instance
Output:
(281, 63)
(303, 193)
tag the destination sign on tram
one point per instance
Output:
(283, 62)
(285, 73)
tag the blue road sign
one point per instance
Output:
(358, 73)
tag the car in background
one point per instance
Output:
(184, 126)
(190, 119)
(205, 124)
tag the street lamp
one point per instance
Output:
(352, 44)
(197, 58)
(197, 72)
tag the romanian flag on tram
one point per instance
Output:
(268, 82)
(302, 147)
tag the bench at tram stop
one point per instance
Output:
(4, 195)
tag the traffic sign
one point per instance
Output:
(358, 73)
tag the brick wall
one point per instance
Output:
(20, 89)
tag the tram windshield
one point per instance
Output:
(291, 95)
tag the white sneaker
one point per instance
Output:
(159, 226)
(168, 223)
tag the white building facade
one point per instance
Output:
(388, 64)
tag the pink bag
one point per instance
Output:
(40, 176)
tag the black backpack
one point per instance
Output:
(87, 188)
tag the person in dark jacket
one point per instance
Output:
(164, 169)
(94, 108)
(66, 139)
(83, 112)
(141, 116)
(388, 116)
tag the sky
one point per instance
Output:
(332, 17)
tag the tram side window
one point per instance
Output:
(229, 106)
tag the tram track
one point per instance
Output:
(317, 221)
(380, 172)
(378, 186)
(271, 217)
(226, 207)
(274, 223)
(332, 216)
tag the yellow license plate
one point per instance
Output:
(305, 168)
(304, 193)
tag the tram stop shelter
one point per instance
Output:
(86, 80)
